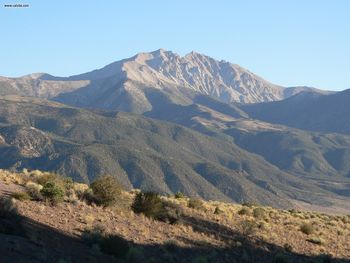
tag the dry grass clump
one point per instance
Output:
(307, 228)
(244, 211)
(195, 203)
(316, 240)
(21, 196)
(9, 177)
(34, 190)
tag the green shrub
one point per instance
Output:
(48, 177)
(148, 203)
(151, 205)
(8, 207)
(94, 235)
(195, 203)
(179, 195)
(68, 183)
(88, 196)
(114, 245)
(307, 228)
(259, 212)
(53, 193)
(106, 243)
(22, 196)
(106, 190)
(218, 211)
(244, 211)
(10, 220)
(248, 228)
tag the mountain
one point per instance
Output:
(144, 153)
(223, 153)
(308, 111)
(127, 84)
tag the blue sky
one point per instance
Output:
(289, 42)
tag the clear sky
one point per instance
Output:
(288, 42)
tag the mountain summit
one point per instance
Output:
(127, 84)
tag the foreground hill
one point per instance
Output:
(74, 231)
(308, 111)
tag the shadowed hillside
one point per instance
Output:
(308, 111)
(75, 230)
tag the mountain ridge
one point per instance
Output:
(160, 69)
(307, 111)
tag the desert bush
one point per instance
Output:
(249, 204)
(93, 235)
(244, 211)
(262, 225)
(53, 193)
(248, 228)
(71, 196)
(107, 243)
(147, 203)
(10, 220)
(151, 205)
(307, 228)
(8, 207)
(259, 212)
(89, 197)
(80, 189)
(34, 190)
(44, 178)
(218, 211)
(68, 183)
(288, 247)
(195, 203)
(114, 245)
(22, 196)
(179, 195)
(106, 190)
